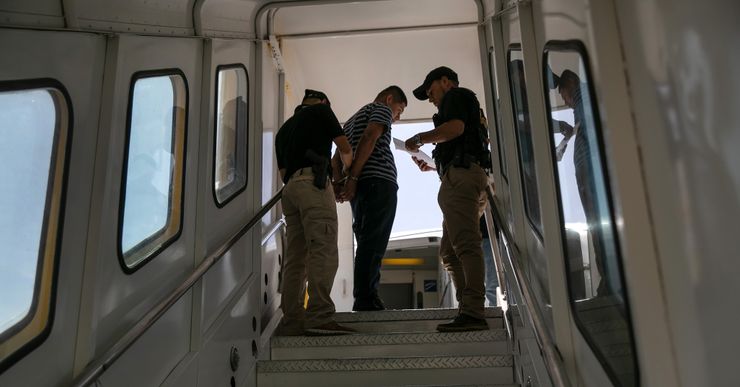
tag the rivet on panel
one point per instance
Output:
(234, 359)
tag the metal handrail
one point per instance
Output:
(272, 230)
(552, 358)
(91, 373)
(500, 276)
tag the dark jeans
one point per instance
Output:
(373, 209)
(585, 179)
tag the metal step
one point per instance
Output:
(454, 385)
(490, 342)
(437, 371)
(410, 320)
(408, 314)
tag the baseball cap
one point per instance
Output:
(316, 94)
(421, 92)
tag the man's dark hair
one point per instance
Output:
(394, 91)
(568, 78)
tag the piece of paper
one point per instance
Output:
(401, 145)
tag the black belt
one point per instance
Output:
(302, 171)
(461, 162)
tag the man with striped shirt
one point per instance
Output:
(571, 89)
(371, 188)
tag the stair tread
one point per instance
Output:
(407, 315)
(375, 364)
(453, 385)
(389, 338)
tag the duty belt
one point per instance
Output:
(302, 171)
(318, 180)
(460, 162)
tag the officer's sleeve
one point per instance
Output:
(382, 115)
(279, 148)
(331, 123)
(454, 107)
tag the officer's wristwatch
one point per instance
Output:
(417, 140)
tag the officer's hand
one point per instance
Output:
(411, 145)
(348, 193)
(337, 183)
(423, 166)
(338, 187)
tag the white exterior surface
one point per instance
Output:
(682, 59)
(113, 300)
(36, 50)
(220, 223)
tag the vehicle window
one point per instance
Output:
(523, 126)
(230, 165)
(34, 127)
(594, 269)
(497, 119)
(151, 213)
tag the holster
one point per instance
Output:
(319, 167)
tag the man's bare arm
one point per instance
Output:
(344, 149)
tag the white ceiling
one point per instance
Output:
(373, 15)
(353, 68)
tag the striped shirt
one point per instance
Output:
(380, 164)
(582, 148)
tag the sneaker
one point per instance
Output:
(378, 303)
(463, 323)
(374, 305)
(329, 329)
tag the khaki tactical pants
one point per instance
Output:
(462, 198)
(311, 254)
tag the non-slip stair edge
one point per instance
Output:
(407, 363)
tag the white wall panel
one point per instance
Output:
(218, 224)
(228, 17)
(136, 15)
(38, 54)
(236, 328)
(40, 13)
(682, 58)
(113, 300)
(152, 358)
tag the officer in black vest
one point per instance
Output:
(458, 156)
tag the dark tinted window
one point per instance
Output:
(523, 126)
(496, 120)
(230, 165)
